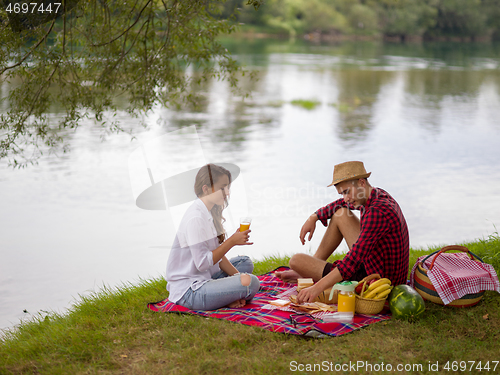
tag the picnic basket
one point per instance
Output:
(369, 305)
(424, 287)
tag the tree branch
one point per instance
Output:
(31, 50)
(126, 30)
(64, 28)
(105, 71)
(37, 95)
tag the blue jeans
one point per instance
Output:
(222, 289)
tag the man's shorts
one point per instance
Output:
(358, 275)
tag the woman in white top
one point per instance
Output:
(199, 276)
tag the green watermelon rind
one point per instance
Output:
(405, 303)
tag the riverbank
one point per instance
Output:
(261, 32)
(112, 331)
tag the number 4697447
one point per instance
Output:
(470, 366)
(33, 8)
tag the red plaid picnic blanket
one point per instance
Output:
(454, 275)
(260, 313)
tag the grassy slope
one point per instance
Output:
(113, 332)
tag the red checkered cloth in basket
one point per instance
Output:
(454, 275)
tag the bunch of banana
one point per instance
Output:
(378, 289)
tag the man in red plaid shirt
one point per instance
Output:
(378, 243)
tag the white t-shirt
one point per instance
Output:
(190, 263)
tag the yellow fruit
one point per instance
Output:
(383, 294)
(378, 290)
(379, 282)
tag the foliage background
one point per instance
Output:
(429, 19)
(96, 53)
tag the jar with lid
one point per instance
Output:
(346, 296)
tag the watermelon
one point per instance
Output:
(405, 303)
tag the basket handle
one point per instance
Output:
(368, 278)
(448, 248)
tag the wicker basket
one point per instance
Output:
(424, 287)
(369, 305)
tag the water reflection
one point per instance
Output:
(460, 97)
(226, 113)
(358, 91)
(435, 85)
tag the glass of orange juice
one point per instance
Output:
(245, 223)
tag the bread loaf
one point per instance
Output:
(304, 283)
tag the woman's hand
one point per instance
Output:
(241, 238)
(238, 238)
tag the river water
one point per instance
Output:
(423, 118)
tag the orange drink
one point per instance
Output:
(245, 223)
(346, 296)
(244, 226)
(346, 302)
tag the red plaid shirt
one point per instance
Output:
(383, 245)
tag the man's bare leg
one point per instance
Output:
(307, 266)
(343, 225)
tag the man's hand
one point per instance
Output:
(308, 227)
(309, 294)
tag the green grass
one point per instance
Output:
(113, 332)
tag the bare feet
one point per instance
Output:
(237, 303)
(288, 276)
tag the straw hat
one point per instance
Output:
(350, 170)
